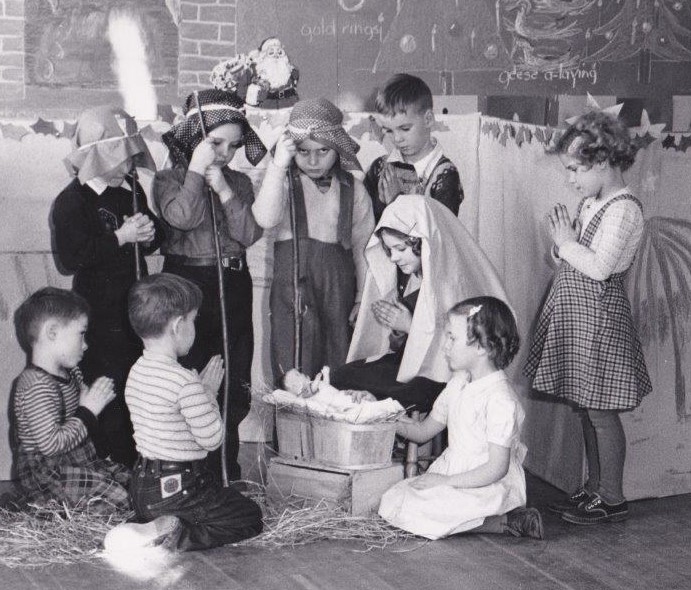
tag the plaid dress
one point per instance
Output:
(585, 347)
(69, 471)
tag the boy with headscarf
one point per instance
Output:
(333, 217)
(180, 193)
(96, 229)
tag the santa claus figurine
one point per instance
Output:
(275, 79)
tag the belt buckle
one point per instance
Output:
(235, 263)
(281, 95)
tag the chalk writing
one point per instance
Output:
(572, 75)
(352, 26)
(351, 5)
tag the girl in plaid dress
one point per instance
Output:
(585, 348)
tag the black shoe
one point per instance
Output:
(570, 502)
(596, 511)
(525, 522)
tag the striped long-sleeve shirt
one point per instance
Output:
(174, 417)
(45, 408)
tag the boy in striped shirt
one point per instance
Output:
(176, 423)
(55, 413)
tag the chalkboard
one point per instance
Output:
(346, 48)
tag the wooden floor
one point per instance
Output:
(651, 550)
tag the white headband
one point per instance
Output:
(213, 107)
(91, 143)
(310, 128)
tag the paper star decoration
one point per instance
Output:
(10, 131)
(592, 105)
(44, 127)
(646, 127)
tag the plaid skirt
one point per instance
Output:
(78, 478)
(585, 347)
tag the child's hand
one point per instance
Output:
(204, 155)
(285, 150)
(138, 228)
(352, 317)
(98, 396)
(212, 375)
(561, 227)
(389, 184)
(215, 179)
(394, 316)
(429, 480)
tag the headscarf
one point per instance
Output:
(105, 137)
(454, 267)
(219, 108)
(322, 121)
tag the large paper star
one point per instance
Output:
(647, 128)
(44, 127)
(592, 105)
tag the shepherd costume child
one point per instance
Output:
(87, 217)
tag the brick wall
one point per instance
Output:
(207, 35)
(11, 49)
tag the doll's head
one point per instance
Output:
(316, 127)
(297, 383)
(480, 325)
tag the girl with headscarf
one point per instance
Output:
(333, 217)
(96, 231)
(180, 193)
(420, 262)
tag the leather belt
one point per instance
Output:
(161, 466)
(237, 263)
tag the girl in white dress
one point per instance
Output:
(478, 483)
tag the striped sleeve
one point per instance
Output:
(201, 414)
(39, 409)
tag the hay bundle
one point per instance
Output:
(52, 534)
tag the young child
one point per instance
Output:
(176, 423)
(585, 348)
(334, 221)
(55, 413)
(416, 164)
(96, 230)
(181, 195)
(478, 482)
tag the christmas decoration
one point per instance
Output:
(592, 105)
(646, 29)
(263, 77)
(10, 131)
(443, 36)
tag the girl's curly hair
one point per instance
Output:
(492, 325)
(597, 137)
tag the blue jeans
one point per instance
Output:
(210, 514)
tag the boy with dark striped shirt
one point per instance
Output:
(176, 424)
(55, 413)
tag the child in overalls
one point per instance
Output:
(333, 216)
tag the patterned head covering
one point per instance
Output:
(218, 108)
(105, 137)
(322, 121)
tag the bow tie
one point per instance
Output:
(323, 183)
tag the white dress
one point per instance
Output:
(476, 414)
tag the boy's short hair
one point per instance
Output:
(491, 324)
(155, 300)
(401, 93)
(43, 305)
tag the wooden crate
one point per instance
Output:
(357, 491)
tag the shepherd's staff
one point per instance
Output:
(297, 298)
(135, 210)
(222, 296)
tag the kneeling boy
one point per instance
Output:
(55, 413)
(176, 423)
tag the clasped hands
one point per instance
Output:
(561, 228)
(393, 315)
(138, 228)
